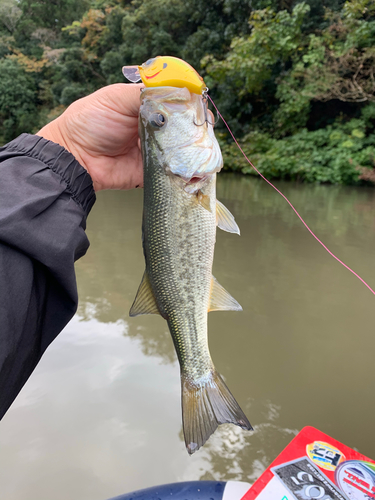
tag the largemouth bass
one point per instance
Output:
(181, 158)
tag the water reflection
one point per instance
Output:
(101, 414)
(305, 320)
(302, 310)
(109, 276)
(329, 207)
(232, 454)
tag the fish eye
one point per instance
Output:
(157, 120)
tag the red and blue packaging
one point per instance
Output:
(316, 466)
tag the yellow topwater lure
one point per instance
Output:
(166, 71)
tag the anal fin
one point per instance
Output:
(225, 219)
(144, 302)
(221, 300)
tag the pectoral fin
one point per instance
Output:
(221, 300)
(204, 200)
(144, 302)
(225, 219)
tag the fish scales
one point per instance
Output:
(179, 232)
(175, 221)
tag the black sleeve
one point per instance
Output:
(45, 197)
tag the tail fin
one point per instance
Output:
(205, 406)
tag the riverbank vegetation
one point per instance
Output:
(295, 80)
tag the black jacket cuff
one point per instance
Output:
(78, 181)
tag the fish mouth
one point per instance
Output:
(195, 179)
(195, 183)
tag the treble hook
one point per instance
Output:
(206, 120)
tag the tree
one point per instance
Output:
(18, 111)
(52, 14)
(10, 14)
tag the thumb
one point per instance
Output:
(121, 97)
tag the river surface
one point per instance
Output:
(101, 416)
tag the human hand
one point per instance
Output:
(101, 131)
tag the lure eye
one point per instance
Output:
(157, 120)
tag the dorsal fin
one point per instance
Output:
(221, 300)
(225, 219)
(144, 302)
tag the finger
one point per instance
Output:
(122, 97)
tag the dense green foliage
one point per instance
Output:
(294, 79)
(341, 153)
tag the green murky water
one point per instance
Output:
(101, 414)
